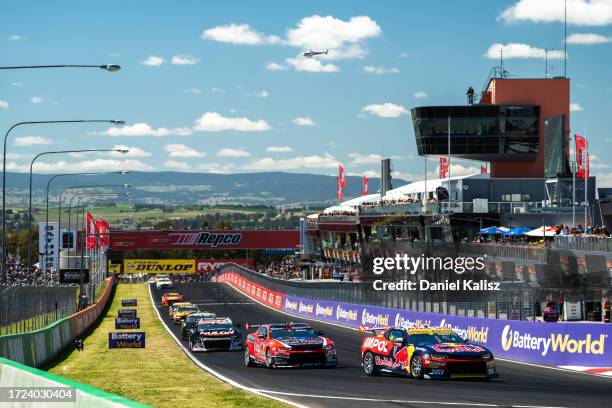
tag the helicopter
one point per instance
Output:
(312, 53)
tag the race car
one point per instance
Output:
(180, 313)
(169, 298)
(164, 283)
(288, 345)
(424, 352)
(217, 333)
(175, 305)
(191, 321)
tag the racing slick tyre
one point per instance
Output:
(269, 361)
(248, 361)
(416, 367)
(369, 367)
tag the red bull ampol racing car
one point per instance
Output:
(424, 352)
(288, 345)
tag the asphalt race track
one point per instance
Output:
(519, 385)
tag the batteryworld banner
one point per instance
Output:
(129, 302)
(126, 313)
(122, 323)
(126, 340)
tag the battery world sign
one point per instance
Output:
(205, 239)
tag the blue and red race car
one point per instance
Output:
(424, 352)
(288, 345)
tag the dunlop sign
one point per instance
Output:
(159, 266)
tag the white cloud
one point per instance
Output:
(153, 61)
(215, 122)
(133, 151)
(86, 165)
(17, 83)
(275, 66)
(310, 65)
(181, 150)
(364, 158)
(575, 107)
(144, 129)
(217, 90)
(183, 59)
(269, 164)
(579, 12)
(385, 110)
(177, 165)
(262, 94)
(36, 99)
(238, 34)
(343, 39)
(31, 141)
(587, 39)
(304, 121)
(604, 179)
(192, 91)
(420, 94)
(17, 37)
(17, 156)
(519, 50)
(367, 173)
(279, 149)
(229, 152)
(3, 104)
(380, 70)
(216, 168)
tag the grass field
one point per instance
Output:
(160, 375)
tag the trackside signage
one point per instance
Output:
(129, 302)
(556, 344)
(159, 266)
(122, 323)
(126, 340)
(126, 313)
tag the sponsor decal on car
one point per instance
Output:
(374, 344)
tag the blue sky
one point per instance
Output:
(221, 86)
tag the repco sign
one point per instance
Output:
(159, 266)
(208, 239)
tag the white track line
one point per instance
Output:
(354, 329)
(213, 372)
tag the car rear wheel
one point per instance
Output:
(269, 361)
(416, 367)
(369, 367)
(248, 361)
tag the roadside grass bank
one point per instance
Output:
(160, 374)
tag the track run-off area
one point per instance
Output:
(518, 385)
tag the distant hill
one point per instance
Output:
(270, 188)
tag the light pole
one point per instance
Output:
(112, 121)
(30, 193)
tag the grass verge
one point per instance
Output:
(160, 375)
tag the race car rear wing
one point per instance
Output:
(372, 330)
(250, 326)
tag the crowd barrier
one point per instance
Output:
(15, 375)
(38, 348)
(554, 344)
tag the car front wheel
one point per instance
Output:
(416, 367)
(248, 361)
(269, 361)
(369, 367)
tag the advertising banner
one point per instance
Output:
(114, 267)
(210, 265)
(129, 302)
(131, 313)
(555, 344)
(73, 276)
(159, 266)
(204, 239)
(264, 295)
(127, 323)
(49, 245)
(126, 340)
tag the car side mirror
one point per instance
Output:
(398, 341)
(321, 333)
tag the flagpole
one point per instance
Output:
(586, 166)
(574, 187)
(449, 164)
(425, 188)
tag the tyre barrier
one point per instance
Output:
(40, 347)
(553, 344)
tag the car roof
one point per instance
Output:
(216, 320)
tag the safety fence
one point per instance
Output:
(555, 344)
(583, 243)
(27, 308)
(65, 391)
(38, 348)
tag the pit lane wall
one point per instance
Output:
(554, 344)
(15, 375)
(40, 347)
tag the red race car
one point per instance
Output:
(169, 298)
(288, 345)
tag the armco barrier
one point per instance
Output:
(40, 347)
(554, 344)
(17, 375)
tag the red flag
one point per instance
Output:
(339, 189)
(364, 190)
(483, 169)
(443, 167)
(341, 176)
(90, 230)
(102, 229)
(582, 157)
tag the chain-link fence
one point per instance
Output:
(28, 308)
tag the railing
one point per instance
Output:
(505, 251)
(583, 243)
(446, 207)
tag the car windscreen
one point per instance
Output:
(434, 338)
(188, 309)
(301, 333)
(214, 326)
